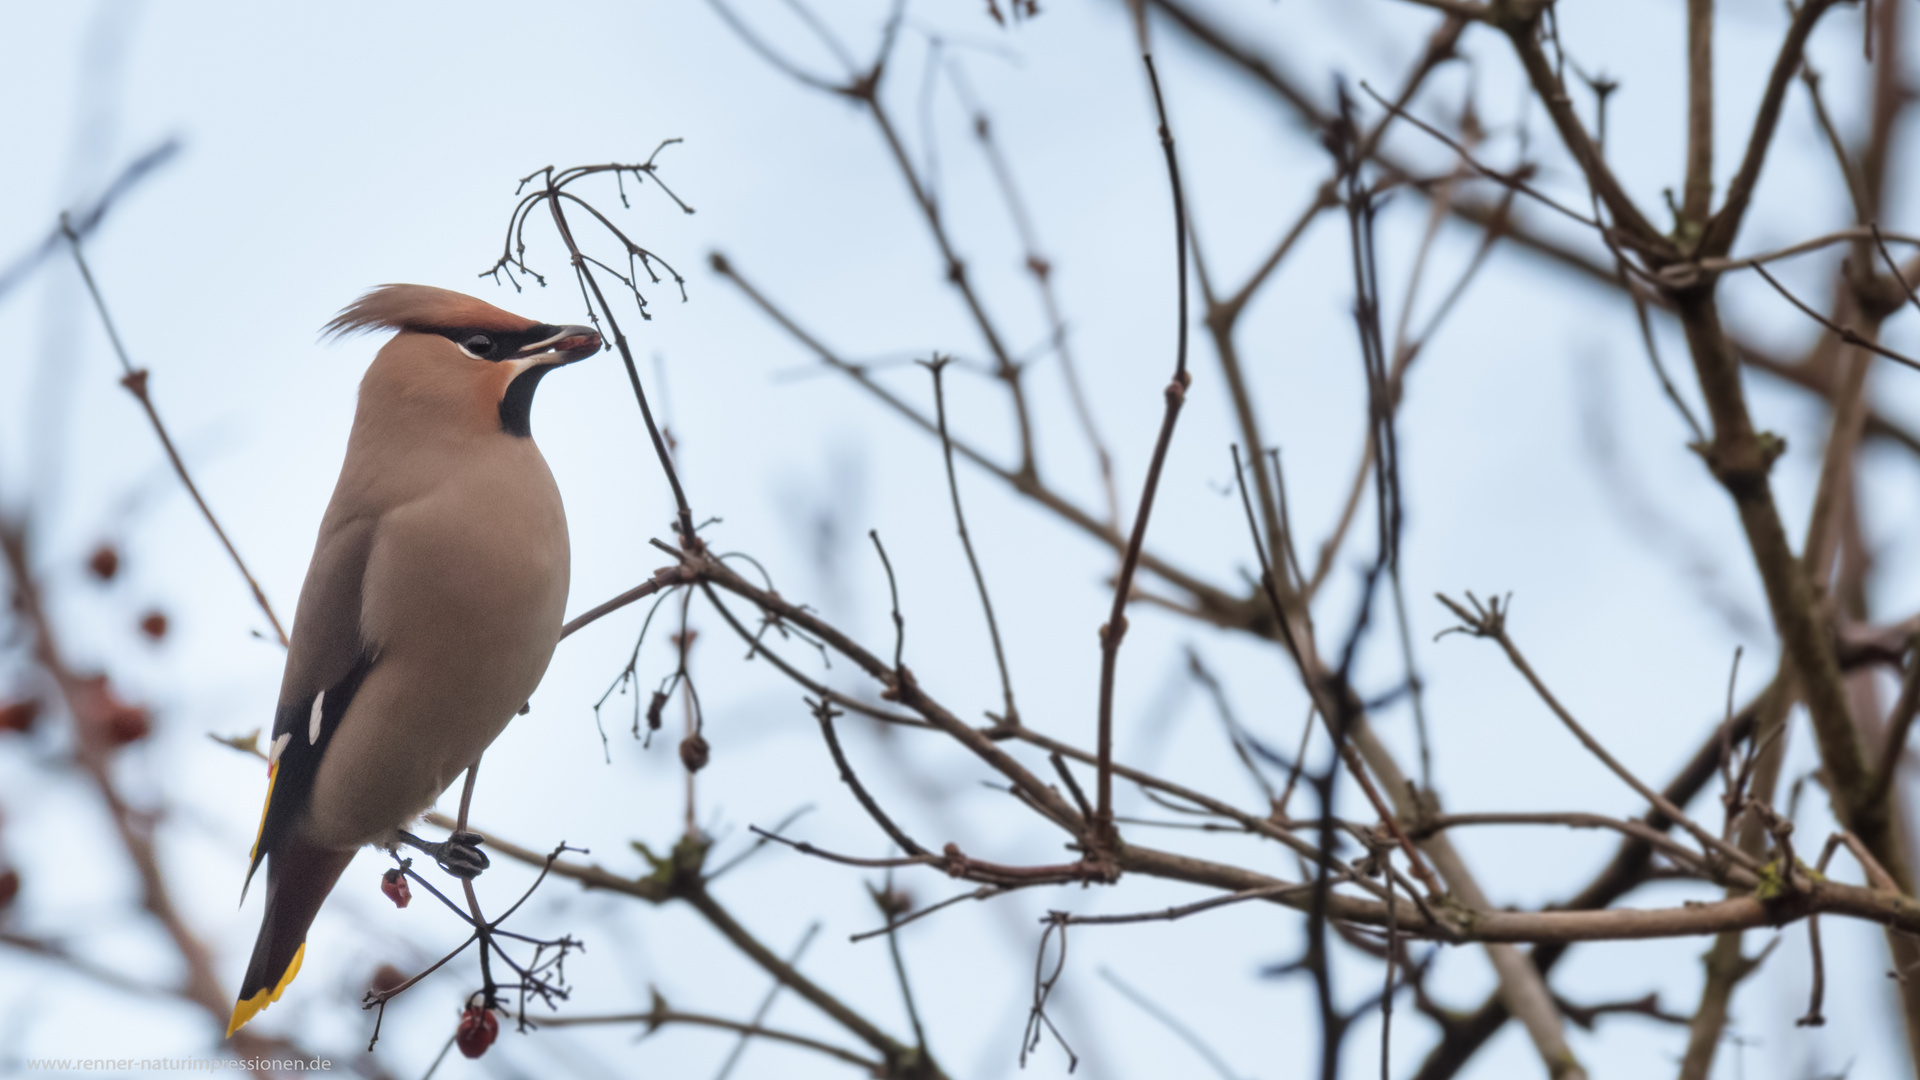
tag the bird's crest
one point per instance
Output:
(424, 308)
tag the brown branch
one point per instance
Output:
(1899, 727)
(1490, 621)
(200, 985)
(1727, 967)
(1740, 458)
(1439, 49)
(1511, 180)
(1181, 911)
(982, 893)
(1625, 871)
(1222, 316)
(901, 688)
(1465, 10)
(1846, 333)
(1220, 606)
(1550, 926)
(1558, 926)
(135, 380)
(1682, 275)
(85, 220)
(1040, 269)
(1856, 190)
(1405, 351)
(1296, 101)
(864, 87)
(553, 194)
(678, 877)
(1637, 232)
(1387, 820)
(1696, 200)
(1725, 224)
(1011, 714)
(1819, 381)
(1252, 823)
(1893, 265)
(661, 1016)
(1102, 833)
(666, 577)
(757, 648)
(1837, 485)
(1650, 836)
(702, 901)
(55, 953)
(823, 712)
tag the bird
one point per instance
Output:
(430, 610)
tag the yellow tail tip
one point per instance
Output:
(248, 1007)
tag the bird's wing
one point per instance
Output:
(327, 660)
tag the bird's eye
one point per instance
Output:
(478, 344)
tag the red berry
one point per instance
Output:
(394, 884)
(478, 1028)
(128, 724)
(19, 715)
(104, 562)
(106, 720)
(386, 977)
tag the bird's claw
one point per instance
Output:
(459, 854)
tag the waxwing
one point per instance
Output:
(430, 610)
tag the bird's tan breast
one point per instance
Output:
(465, 589)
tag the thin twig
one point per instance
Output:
(661, 1017)
(1171, 1022)
(766, 1005)
(1880, 241)
(824, 713)
(1490, 621)
(893, 588)
(1846, 333)
(1176, 395)
(1506, 179)
(1012, 714)
(135, 380)
(665, 577)
(886, 901)
(1040, 269)
(1725, 224)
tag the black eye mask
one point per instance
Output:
(495, 345)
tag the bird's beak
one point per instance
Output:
(569, 343)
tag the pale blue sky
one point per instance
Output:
(330, 148)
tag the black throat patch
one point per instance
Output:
(516, 408)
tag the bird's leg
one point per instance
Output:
(459, 854)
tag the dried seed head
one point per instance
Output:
(695, 753)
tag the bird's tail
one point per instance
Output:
(299, 877)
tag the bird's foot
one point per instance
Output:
(459, 854)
